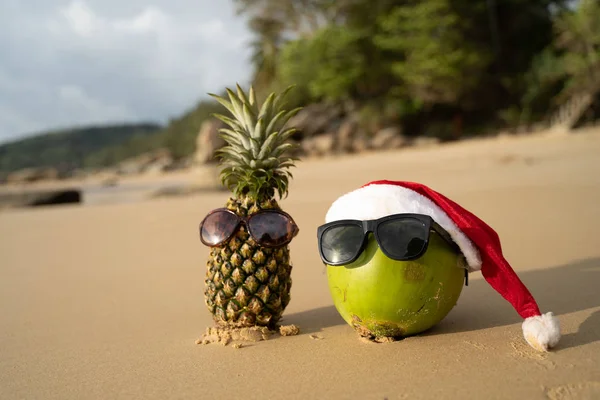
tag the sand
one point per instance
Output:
(104, 301)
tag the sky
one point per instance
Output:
(80, 62)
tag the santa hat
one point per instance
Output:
(478, 242)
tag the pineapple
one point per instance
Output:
(247, 284)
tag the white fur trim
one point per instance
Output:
(542, 332)
(377, 201)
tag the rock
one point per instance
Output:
(345, 136)
(289, 330)
(130, 167)
(424, 141)
(155, 168)
(22, 176)
(31, 198)
(49, 173)
(28, 175)
(388, 138)
(178, 165)
(157, 162)
(316, 119)
(307, 147)
(182, 191)
(319, 145)
(110, 182)
(361, 143)
(57, 197)
(323, 144)
(208, 141)
(81, 173)
(398, 142)
(151, 162)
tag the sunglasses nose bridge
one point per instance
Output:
(242, 222)
(368, 227)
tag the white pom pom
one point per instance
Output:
(542, 332)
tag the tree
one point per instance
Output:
(328, 66)
(276, 22)
(299, 17)
(273, 23)
(428, 54)
(578, 39)
(428, 61)
(578, 43)
(266, 47)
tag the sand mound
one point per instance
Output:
(235, 335)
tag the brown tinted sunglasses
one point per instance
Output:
(268, 228)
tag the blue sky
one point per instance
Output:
(78, 62)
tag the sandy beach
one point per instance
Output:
(105, 301)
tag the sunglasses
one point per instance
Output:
(401, 237)
(268, 228)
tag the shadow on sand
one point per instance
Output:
(564, 289)
(312, 321)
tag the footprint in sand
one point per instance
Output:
(581, 391)
(523, 350)
(477, 345)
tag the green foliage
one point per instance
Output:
(429, 55)
(504, 62)
(578, 39)
(76, 148)
(540, 83)
(180, 135)
(568, 65)
(112, 155)
(328, 66)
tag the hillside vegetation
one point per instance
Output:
(79, 147)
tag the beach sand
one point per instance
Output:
(105, 301)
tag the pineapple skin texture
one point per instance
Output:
(246, 284)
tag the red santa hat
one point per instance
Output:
(479, 243)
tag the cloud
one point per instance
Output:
(80, 18)
(96, 61)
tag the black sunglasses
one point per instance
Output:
(401, 237)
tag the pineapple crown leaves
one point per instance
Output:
(257, 157)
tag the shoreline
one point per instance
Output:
(204, 178)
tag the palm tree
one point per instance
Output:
(273, 22)
(268, 33)
(300, 17)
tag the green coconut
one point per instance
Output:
(386, 299)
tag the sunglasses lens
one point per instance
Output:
(217, 227)
(340, 244)
(403, 238)
(271, 228)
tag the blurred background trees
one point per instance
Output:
(419, 64)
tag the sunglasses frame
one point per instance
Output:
(246, 221)
(370, 226)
